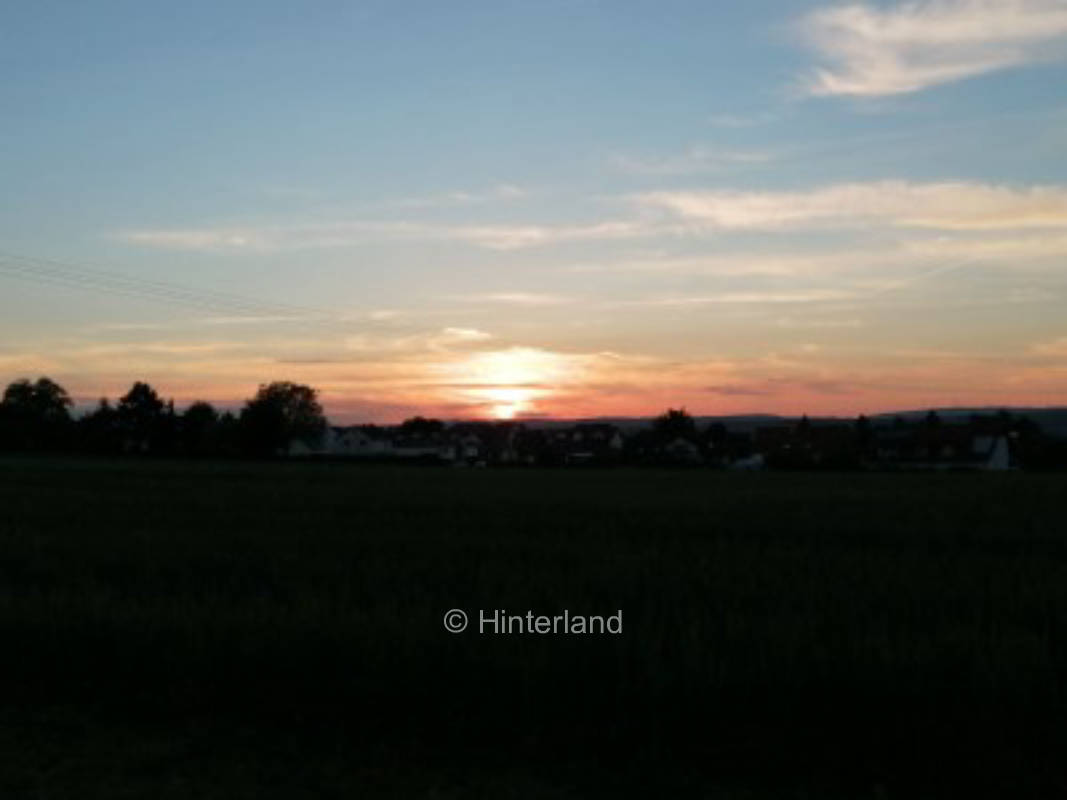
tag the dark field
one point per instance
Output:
(173, 630)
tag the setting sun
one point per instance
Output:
(509, 402)
(505, 384)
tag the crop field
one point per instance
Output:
(247, 630)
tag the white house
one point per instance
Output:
(994, 452)
(355, 442)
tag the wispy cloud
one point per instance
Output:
(753, 298)
(949, 206)
(499, 193)
(459, 336)
(793, 264)
(742, 120)
(415, 344)
(252, 319)
(131, 326)
(1036, 249)
(779, 386)
(1014, 250)
(818, 324)
(871, 51)
(1055, 348)
(268, 238)
(161, 348)
(738, 390)
(516, 298)
(695, 160)
(515, 237)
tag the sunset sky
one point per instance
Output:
(570, 209)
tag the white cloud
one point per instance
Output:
(464, 335)
(949, 206)
(870, 51)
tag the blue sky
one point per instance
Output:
(553, 208)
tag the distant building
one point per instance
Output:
(748, 463)
(592, 443)
(948, 447)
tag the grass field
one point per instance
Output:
(275, 630)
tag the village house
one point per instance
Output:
(981, 443)
(945, 447)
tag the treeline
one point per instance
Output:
(35, 416)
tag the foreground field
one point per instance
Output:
(275, 630)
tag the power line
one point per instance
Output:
(110, 282)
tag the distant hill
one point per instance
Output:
(734, 422)
(1052, 420)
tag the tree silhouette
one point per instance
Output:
(199, 429)
(44, 399)
(279, 414)
(34, 415)
(864, 433)
(717, 434)
(140, 415)
(422, 427)
(674, 423)
(98, 431)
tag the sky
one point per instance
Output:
(513, 209)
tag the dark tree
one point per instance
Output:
(44, 399)
(717, 434)
(864, 433)
(99, 431)
(34, 415)
(199, 430)
(141, 415)
(422, 427)
(1004, 422)
(280, 414)
(227, 435)
(141, 401)
(674, 423)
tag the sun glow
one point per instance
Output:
(508, 383)
(509, 403)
